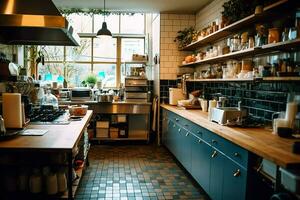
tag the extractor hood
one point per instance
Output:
(34, 22)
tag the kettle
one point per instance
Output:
(2, 126)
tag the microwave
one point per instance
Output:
(81, 94)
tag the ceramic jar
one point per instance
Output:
(273, 36)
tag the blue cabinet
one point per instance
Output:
(218, 165)
(200, 161)
(235, 178)
(216, 175)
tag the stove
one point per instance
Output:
(48, 116)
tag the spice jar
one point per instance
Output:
(251, 42)
(273, 36)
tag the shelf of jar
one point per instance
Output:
(290, 45)
(294, 78)
(267, 15)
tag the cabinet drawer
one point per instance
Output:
(233, 151)
(236, 153)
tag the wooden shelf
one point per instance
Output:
(268, 48)
(247, 80)
(268, 14)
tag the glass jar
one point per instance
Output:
(273, 36)
(292, 33)
(285, 35)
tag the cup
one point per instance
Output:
(258, 9)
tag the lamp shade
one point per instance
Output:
(104, 31)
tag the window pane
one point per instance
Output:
(132, 46)
(53, 53)
(112, 22)
(81, 53)
(107, 73)
(78, 73)
(133, 23)
(105, 50)
(51, 71)
(81, 23)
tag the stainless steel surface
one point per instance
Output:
(81, 94)
(101, 98)
(108, 108)
(35, 23)
(114, 102)
(136, 95)
(138, 81)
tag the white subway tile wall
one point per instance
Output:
(209, 13)
(170, 57)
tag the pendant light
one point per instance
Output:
(104, 32)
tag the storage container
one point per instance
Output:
(175, 94)
(102, 132)
(290, 179)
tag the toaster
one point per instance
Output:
(223, 115)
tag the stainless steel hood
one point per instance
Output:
(34, 22)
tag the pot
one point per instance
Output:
(105, 97)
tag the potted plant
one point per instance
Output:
(91, 80)
(185, 37)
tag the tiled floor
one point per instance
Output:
(135, 172)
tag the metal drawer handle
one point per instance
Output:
(179, 130)
(237, 173)
(214, 154)
(214, 141)
(176, 119)
(199, 141)
(236, 154)
(187, 134)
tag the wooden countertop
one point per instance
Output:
(58, 137)
(257, 140)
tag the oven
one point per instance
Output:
(81, 94)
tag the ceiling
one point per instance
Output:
(161, 6)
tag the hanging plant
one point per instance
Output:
(69, 11)
(185, 37)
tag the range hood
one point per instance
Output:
(34, 22)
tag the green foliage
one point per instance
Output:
(185, 37)
(91, 79)
(69, 11)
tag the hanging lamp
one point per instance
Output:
(104, 32)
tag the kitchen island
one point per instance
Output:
(58, 139)
(137, 114)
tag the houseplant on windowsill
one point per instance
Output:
(91, 80)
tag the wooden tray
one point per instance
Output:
(189, 107)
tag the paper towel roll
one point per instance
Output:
(12, 110)
(291, 111)
(211, 104)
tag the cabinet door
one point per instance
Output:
(234, 181)
(216, 174)
(165, 127)
(185, 141)
(201, 162)
(170, 140)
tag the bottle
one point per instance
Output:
(2, 126)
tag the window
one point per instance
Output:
(104, 59)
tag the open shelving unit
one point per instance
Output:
(268, 48)
(292, 78)
(268, 14)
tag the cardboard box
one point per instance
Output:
(102, 133)
(102, 124)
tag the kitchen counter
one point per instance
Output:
(58, 137)
(103, 103)
(257, 140)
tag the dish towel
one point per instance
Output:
(154, 110)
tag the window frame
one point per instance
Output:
(118, 61)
